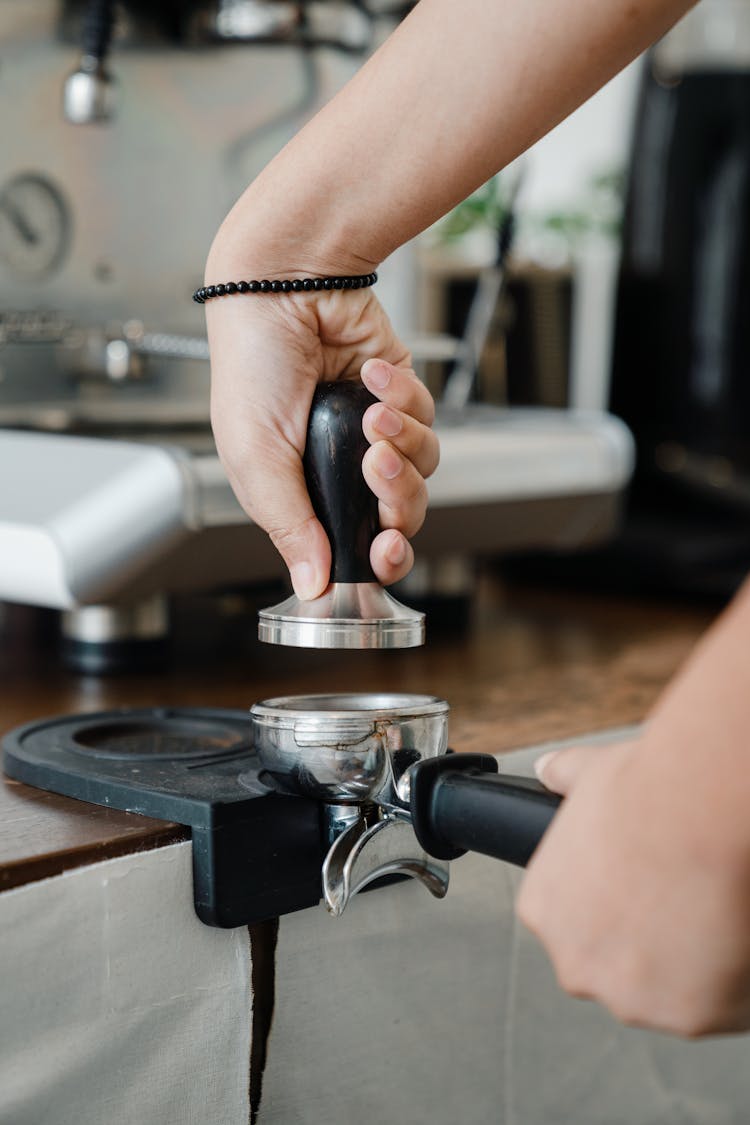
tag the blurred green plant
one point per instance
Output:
(599, 212)
(484, 209)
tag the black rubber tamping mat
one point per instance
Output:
(257, 852)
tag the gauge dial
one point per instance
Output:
(35, 227)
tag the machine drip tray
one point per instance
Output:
(257, 852)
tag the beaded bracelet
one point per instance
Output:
(299, 285)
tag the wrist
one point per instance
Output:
(261, 238)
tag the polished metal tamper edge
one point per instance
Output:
(355, 611)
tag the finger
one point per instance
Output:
(559, 770)
(266, 475)
(401, 491)
(400, 388)
(418, 443)
(391, 557)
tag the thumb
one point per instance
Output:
(559, 770)
(268, 480)
(288, 517)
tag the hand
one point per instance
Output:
(267, 355)
(641, 901)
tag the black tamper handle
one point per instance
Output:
(461, 803)
(343, 503)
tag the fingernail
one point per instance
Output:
(388, 463)
(540, 765)
(388, 422)
(304, 581)
(376, 375)
(396, 551)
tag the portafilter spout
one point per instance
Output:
(355, 611)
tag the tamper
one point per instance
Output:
(355, 611)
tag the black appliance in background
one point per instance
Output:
(681, 366)
(681, 353)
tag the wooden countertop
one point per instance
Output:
(533, 665)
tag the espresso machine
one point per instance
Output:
(129, 130)
(306, 796)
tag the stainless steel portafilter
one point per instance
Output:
(393, 799)
(355, 611)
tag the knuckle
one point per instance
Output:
(414, 524)
(424, 402)
(571, 979)
(414, 398)
(697, 1024)
(414, 492)
(401, 518)
(698, 1029)
(285, 539)
(430, 451)
(626, 1010)
(524, 905)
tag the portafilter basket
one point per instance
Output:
(348, 748)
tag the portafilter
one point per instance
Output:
(395, 800)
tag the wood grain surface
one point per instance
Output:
(531, 665)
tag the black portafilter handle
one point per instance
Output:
(345, 506)
(460, 803)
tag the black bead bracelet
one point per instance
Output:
(299, 285)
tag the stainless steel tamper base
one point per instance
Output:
(347, 615)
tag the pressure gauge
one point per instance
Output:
(35, 226)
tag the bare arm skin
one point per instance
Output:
(456, 93)
(640, 890)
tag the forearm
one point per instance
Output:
(456, 93)
(697, 742)
(640, 890)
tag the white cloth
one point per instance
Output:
(118, 1007)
